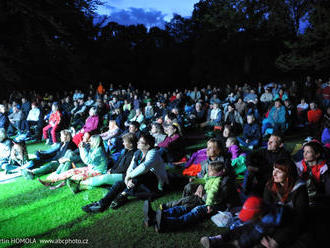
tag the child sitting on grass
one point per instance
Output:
(217, 191)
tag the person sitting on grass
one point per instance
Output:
(259, 224)
(314, 169)
(95, 159)
(5, 149)
(216, 191)
(116, 173)
(18, 157)
(54, 159)
(53, 124)
(251, 133)
(145, 178)
(91, 124)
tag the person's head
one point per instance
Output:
(172, 129)
(284, 172)
(34, 105)
(213, 148)
(227, 131)
(275, 142)
(252, 209)
(250, 119)
(129, 141)
(283, 178)
(86, 137)
(133, 127)
(65, 135)
(312, 105)
(312, 151)
(231, 141)
(215, 168)
(281, 91)
(95, 141)
(170, 117)
(231, 107)
(278, 103)
(156, 128)
(3, 134)
(16, 108)
(2, 108)
(146, 142)
(198, 106)
(54, 106)
(92, 111)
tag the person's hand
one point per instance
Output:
(127, 178)
(199, 191)
(209, 209)
(130, 183)
(247, 141)
(191, 179)
(63, 160)
(269, 242)
(109, 171)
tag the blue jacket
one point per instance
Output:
(4, 121)
(277, 115)
(251, 131)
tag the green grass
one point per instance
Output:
(30, 210)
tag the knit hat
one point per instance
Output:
(252, 206)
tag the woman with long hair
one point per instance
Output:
(95, 159)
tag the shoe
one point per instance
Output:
(73, 186)
(250, 147)
(47, 184)
(205, 242)
(47, 141)
(149, 214)
(27, 174)
(215, 241)
(159, 223)
(57, 186)
(93, 208)
(118, 202)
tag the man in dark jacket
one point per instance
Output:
(4, 121)
(260, 165)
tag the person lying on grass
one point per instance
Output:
(55, 159)
(217, 191)
(145, 178)
(116, 173)
(95, 160)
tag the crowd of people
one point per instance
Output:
(128, 138)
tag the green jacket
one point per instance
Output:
(94, 157)
(212, 188)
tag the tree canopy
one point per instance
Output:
(57, 43)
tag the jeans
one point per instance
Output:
(180, 216)
(254, 142)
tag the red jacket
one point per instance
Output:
(314, 115)
(55, 118)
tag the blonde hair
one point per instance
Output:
(95, 141)
(67, 134)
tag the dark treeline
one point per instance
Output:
(56, 44)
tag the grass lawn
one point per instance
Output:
(30, 210)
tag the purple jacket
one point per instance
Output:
(91, 123)
(197, 158)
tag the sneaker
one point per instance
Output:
(205, 242)
(159, 225)
(93, 208)
(118, 202)
(149, 214)
(214, 241)
(57, 186)
(47, 141)
(27, 174)
(47, 184)
(73, 186)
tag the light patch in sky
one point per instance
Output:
(167, 7)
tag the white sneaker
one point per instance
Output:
(47, 141)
